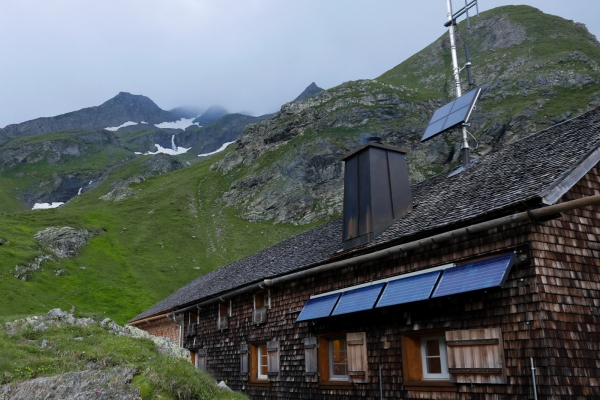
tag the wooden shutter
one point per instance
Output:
(201, 359)
(476, 356)
(244, 361)
(357, 357)
(273, 360)
(310, 359)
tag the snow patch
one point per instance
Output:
(179, 150)
(42, 206)
(220, 149)
(114, 128)
(174, 150)
(137, 152)
(181, 124)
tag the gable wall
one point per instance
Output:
(566, 256)
(163, 327)
(507, 308)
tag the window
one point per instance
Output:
(341, 359)
(191, 324)
(433, 357)
(434, 360)
(261, 303)
(224, 314)
(263, 360)
(338, 359)
(425, 362)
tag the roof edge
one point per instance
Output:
(563, 184)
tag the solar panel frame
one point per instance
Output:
(361, 299)
(319, 307)
(408, 290)
(484, 274)
(456, 112)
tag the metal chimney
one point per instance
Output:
(376, 191)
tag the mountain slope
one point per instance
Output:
(122, 108)
(534, 69)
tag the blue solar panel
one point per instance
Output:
(318, 308)
(475, 276)
(452, 114)
(360, 299)
(408, 290)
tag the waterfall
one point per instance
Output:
(78, 193)
(173, 143)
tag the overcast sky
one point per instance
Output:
(246, 55)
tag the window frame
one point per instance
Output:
(255, 376)
(331, 360)
(357, 371)
(223, 313)
(443, 356)
(262, 355)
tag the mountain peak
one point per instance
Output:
(209, 116)
(310, 91)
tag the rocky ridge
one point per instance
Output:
(114, 112)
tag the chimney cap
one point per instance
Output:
(371, 139)
(375, 144)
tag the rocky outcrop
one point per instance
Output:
(64, 241)
(55, 149)
(154, 165)
(96, 381)
(304, 183)
(110, 384)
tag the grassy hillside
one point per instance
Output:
(27, 353)
(174, 229)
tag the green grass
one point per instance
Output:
(174, 230)
(158, 376)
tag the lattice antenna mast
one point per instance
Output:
(466, 151)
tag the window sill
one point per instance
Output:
(260, 382)
(431, 386)
(335, 385)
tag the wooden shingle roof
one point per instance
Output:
(516, 176)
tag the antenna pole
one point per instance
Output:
(466, 152)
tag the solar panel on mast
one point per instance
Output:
(458, 111)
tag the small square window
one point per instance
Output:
(425, 361)
(434, 358)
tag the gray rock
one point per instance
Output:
(64, 241)
(56, 313)
(112, 384)
(40, 327)
(223, 386)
